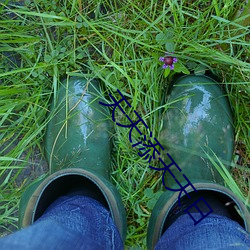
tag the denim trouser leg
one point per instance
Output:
(82, 223)
(76, 222)
(214, 232)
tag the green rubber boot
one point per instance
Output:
(198, 122)
(78, 149)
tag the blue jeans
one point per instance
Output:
(80, 222)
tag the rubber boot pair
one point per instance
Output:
(197, 125)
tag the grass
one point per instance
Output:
(119, 43)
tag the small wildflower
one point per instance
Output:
(168, 61)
